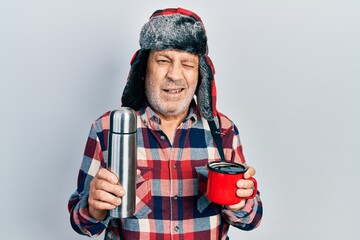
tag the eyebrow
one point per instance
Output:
(188, 59)
(162, 55)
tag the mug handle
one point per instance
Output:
(254, 189)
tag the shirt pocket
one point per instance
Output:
(202, 177)
(144, 202)
(204, 206)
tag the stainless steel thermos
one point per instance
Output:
(122, 147)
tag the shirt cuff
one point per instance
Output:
(241, 216)
(90, 221)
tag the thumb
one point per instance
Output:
(249, 173)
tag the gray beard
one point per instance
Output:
(157, 105)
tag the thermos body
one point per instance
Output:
(122, 157)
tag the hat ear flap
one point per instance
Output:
(134, 91)
(206, 93)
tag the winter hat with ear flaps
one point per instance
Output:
(178, 29)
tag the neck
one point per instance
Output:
(169, 124)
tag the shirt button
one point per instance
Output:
(174, 166)
(175, 197)
(176, 228)
(162, 137)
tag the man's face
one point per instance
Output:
(170, 82)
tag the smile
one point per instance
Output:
(173, 91)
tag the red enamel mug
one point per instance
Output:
(221, 185)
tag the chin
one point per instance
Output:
(174, 110)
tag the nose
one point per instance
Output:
(175, 72)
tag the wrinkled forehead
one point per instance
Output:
(175, 55)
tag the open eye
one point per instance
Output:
(163, 61)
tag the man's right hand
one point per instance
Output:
(105, 194)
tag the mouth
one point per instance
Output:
(173, 91)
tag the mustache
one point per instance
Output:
(169, 84)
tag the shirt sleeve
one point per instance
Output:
(249, 217)
(93, 159)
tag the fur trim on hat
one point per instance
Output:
(174, 32)
(134, 92)
(177, 29)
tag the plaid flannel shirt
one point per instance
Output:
(171, 201)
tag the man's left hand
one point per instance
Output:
(245, 189)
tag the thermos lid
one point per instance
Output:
(123, 120)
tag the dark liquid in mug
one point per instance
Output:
(229, 168)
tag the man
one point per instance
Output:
(174, 144)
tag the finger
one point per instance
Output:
(138, 172)
(114, 189)
(237, 206)
(100, 205)
(249, 173)
(244, 193)
(105, 174)
(100, 195)
(243, 183)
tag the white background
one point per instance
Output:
(288, 74)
